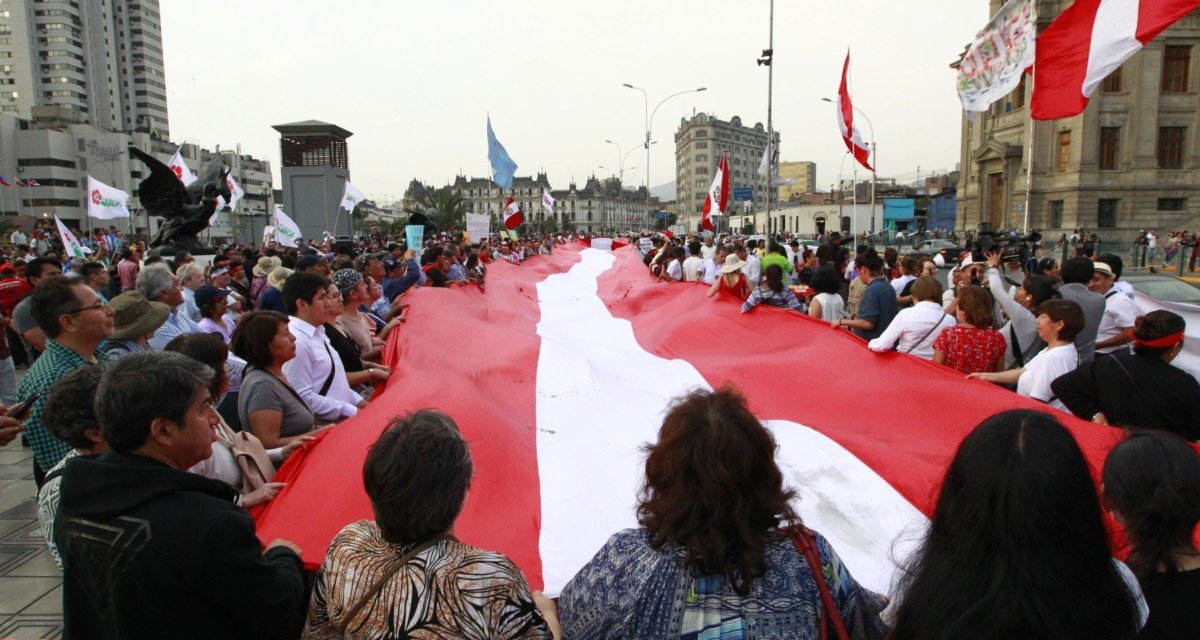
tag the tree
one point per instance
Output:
(445, 206)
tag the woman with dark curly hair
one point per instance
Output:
(713, 554)
(1016, 546)
(1152, 485)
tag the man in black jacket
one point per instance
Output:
(150, 550)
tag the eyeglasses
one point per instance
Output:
(99, 305)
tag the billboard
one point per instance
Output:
(743, 193)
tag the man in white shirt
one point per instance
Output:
(674, 269)
(1120, 312)
(691, 266)
(190, 278)
(908, 267)
(711, 269)
(708, 250)
(316, 373)
(914, 330)
(18, 236)
(753, 268)
(1152, 246)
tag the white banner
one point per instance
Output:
(268, 235)
(287, 232)
(351, 197)
(548, 201)
(235, 192)
(479, 226)
(181, 169)
(995, 63)
(71, 244)
(105, 202)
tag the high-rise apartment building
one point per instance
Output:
(99, 60)
(698, 146)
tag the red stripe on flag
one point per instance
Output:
(1154, 16)
(1061, 62)
(902, 416)
(473, 355)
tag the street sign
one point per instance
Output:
(660, 214)
(743, 193)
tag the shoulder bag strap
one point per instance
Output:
(806, 545)
(388, 575)
(928, 333)
(332, 367)
(1018, 355)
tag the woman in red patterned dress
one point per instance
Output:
(974, 345)
(732, 281)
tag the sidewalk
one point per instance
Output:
(30, 593)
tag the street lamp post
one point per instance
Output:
(649, 122)
(874, 160)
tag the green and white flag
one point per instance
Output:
(351, 197)
(70, 243)
(105, 202)
(287, 232)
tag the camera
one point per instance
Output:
(1012, 248)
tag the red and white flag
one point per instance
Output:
(717, 200)
(585, 351)
(512, 214)
(181, 169)
(845, 118)
(1090, 40)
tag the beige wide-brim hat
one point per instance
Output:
(732, 263)
(278, 276)
(135, 316)
(266, 265)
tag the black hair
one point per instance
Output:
(1114, 261)
(1040, 288)
(1044, 265)
(1016, 547)
(302, 285)
(1155, 325)
(90, 269)
(141, 387)
(417, 475)
(209, 350)
(1078, 271)
(52, 299)
(773, 275)
(694, 248)
(871, 262)
(1153, 480)
(826, 280)
(35, 267)
(70, 410)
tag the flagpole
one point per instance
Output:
(770, 128)
(1032, 129)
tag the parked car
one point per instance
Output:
(948, 251)
(1154, 291)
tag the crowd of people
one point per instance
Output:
(162, 394)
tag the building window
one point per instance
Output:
(702, 145)
(1172, 204)
(1056, 214)
(1064, 151)
(1109, 144)
(1106, 214)
(1170, 147)
(1112, 83)
(1176, 65)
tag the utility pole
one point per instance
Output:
(766, 60)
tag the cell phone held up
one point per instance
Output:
(20, 410)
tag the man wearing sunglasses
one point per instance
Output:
(75, 320)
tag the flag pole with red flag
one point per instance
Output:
(717, 200)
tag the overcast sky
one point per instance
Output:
(414, 81)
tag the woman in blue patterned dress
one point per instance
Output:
(711, 559)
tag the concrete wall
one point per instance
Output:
(311, 196)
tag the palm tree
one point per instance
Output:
(445, 205)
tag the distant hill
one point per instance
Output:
(664, 192)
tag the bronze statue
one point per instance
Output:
(185, 210)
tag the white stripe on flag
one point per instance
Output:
(1114, 39)
(599, 391)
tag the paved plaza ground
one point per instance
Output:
(30, 582)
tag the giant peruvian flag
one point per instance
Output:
(717, 200)
(584, 351)
(1090, 40)
(512, 214)
(846, 124)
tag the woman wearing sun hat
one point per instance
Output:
(732, 280)
(135, 320)
(271, 298)
(262, 270)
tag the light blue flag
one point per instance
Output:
(503, 166)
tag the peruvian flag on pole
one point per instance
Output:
(512, 214)
(1090, 40)
(845, 116)
(718, 195)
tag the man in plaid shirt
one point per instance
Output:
(75, 320)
